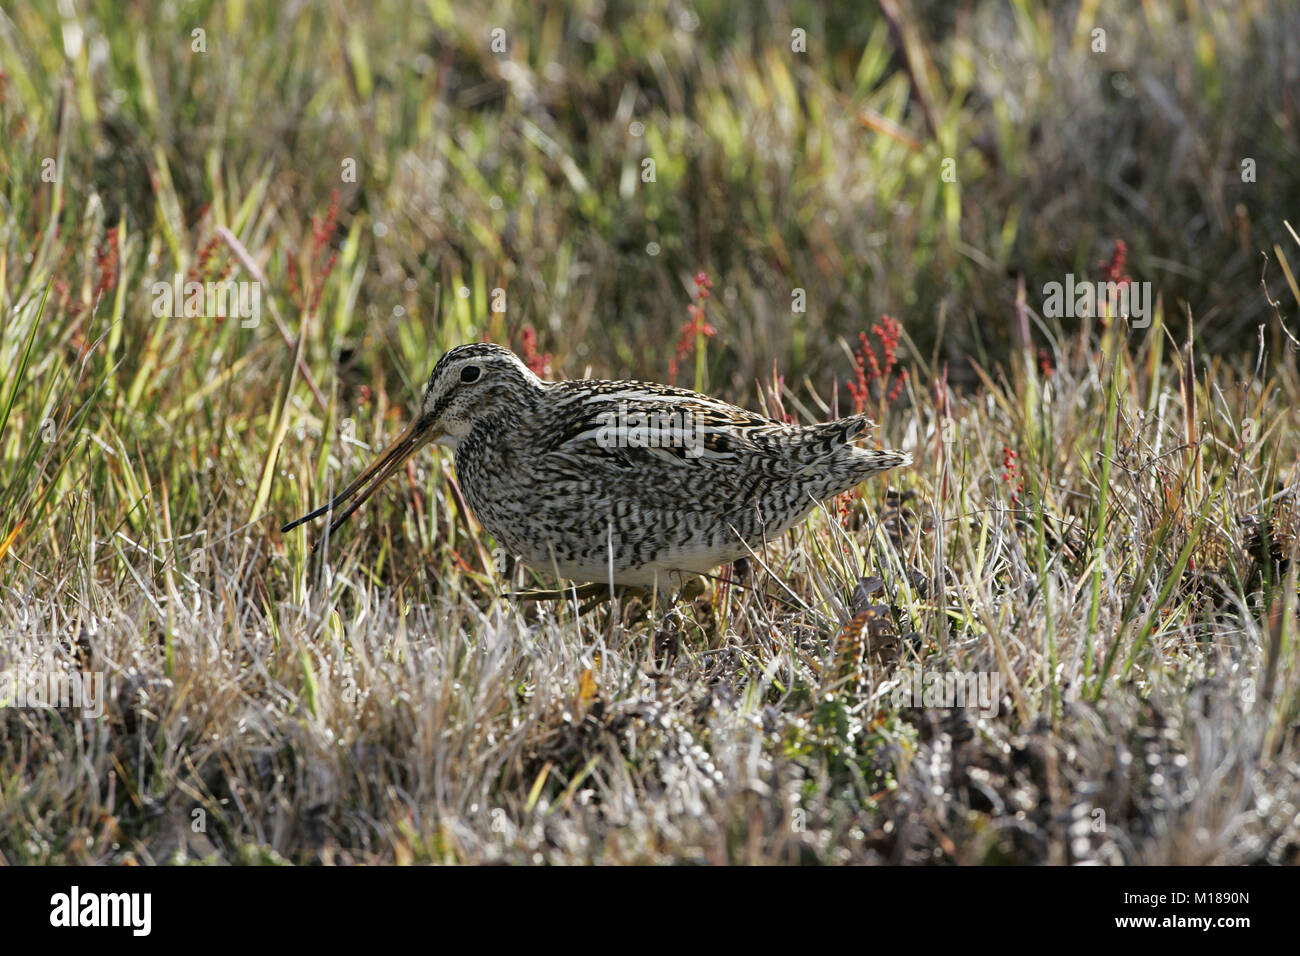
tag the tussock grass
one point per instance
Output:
(1128, 574)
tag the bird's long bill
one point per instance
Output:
(416, 435)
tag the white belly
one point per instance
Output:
(669, 569)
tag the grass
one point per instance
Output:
(1102, 517)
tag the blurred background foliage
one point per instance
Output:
(518, 164)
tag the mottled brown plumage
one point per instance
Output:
(621, 482)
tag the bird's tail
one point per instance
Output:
(845, 431)
(882, 459)
(859, 462)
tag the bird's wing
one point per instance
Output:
(635, 415)
(680, 449)
(670, 443)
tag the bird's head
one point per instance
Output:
(469, 385)
(472, 384)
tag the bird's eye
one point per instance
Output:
(469, 374)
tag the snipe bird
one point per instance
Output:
(623, 483)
